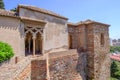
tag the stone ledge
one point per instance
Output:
(63, 53)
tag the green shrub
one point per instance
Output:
(115, 70)
(6, 52)
(114, 48)
(113, 78)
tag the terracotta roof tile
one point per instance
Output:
(86, 22)
(7, 13)
(71, 24)
(42, 11)
(115, 57)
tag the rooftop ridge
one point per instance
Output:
(88, 21)
(41, 10)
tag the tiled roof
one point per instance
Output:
(86, 22)
(42, 11)
(89, 22)
(115, 57)
(7, 13)
(71, 24)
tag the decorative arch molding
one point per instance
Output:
(35, 28)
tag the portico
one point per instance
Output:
(33, 36)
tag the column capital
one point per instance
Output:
(34, 36)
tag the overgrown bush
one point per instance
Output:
(115, 70)
(6, 52)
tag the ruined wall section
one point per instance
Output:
(55, 31)
(63, 66)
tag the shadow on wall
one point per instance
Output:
(5, 62)
(82, 63)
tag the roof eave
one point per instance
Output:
(20, 6)
(33, 20)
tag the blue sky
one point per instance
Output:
(106, 11)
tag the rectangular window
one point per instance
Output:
(102, 41)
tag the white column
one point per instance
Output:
(42, 40)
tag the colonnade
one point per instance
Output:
(31, 38)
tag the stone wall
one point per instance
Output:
(90, 52)
(93, 39)
(25, 73)
(10, 71)
(27, 69)
(78, 34)
(60, 66)
(55, 31)
(101, 52)
(38, 70)
(98, 51)
(24, 12)
(9, 33)
(64, 66)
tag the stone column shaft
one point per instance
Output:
(34, 46)
(34, 38)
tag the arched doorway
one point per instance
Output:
(28, 44)
(38, 44)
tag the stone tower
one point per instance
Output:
(98, 66)
(92, 38)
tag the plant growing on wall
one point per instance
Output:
(6, 52)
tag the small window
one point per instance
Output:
(102, 39)
(70, 41)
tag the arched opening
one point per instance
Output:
(38, 44)
(28, 44)
(70, 41)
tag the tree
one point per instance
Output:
(115, 69)
(2, 6)
(14, 10)
(114, 49)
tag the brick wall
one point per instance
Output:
(98, 52)
(64, 67)
(38, 70)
